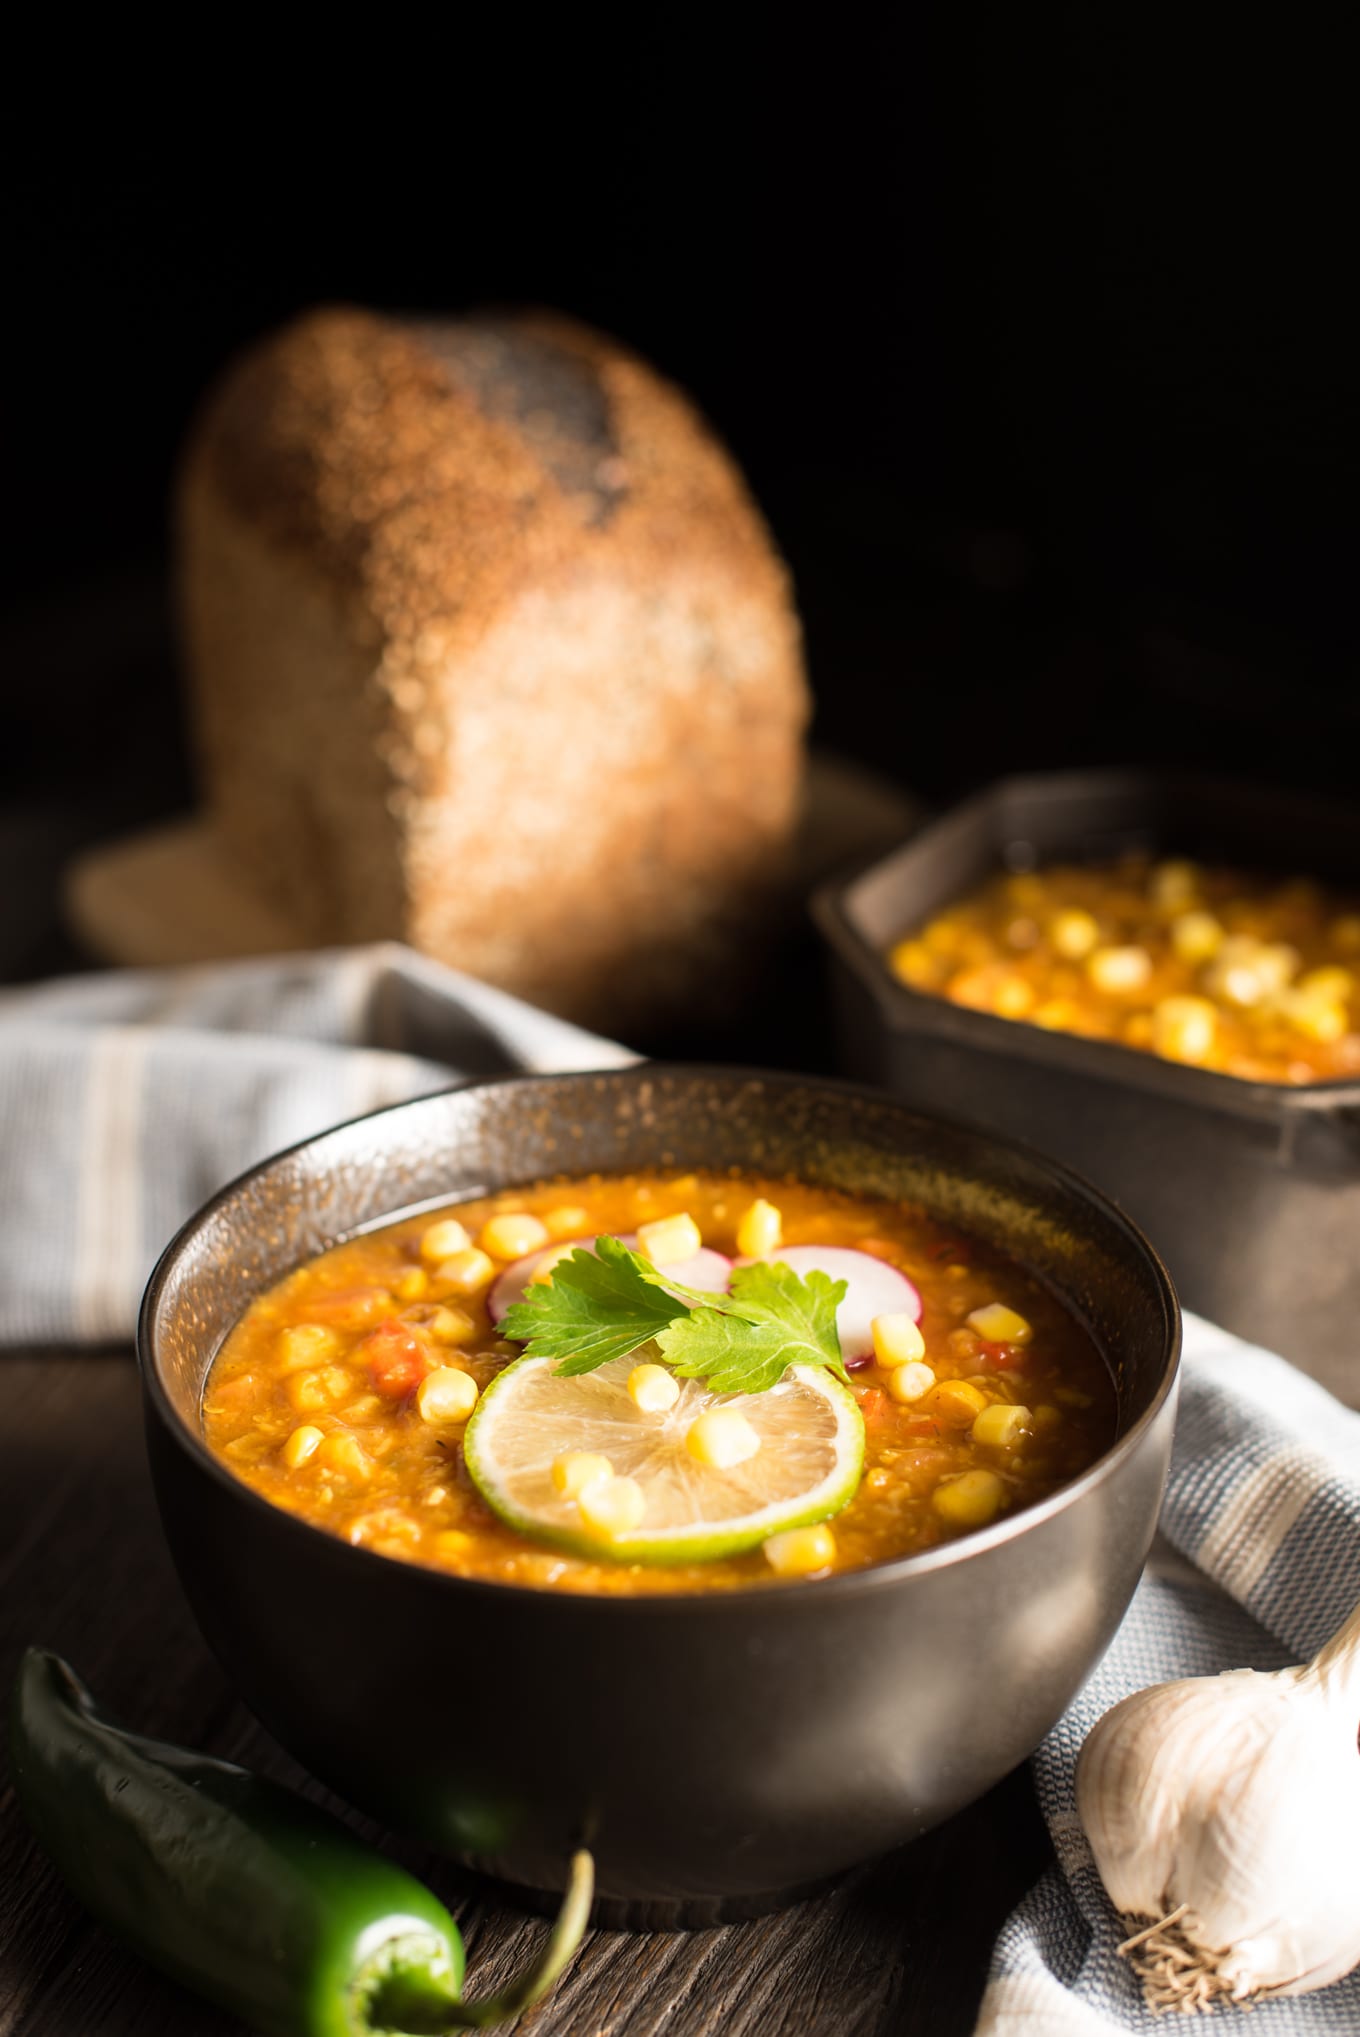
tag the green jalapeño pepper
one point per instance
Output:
(239, 1888)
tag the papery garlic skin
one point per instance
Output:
(1238, 1796)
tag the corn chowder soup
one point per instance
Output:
(1242, 974)
(747, 1380)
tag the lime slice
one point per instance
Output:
(808, 1464)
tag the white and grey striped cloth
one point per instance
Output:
(1262, 1519)
(128, 1098)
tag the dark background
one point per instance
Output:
(1030, 327)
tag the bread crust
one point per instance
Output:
(490, 650)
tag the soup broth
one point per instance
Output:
(1223, 969)
(342, 1395)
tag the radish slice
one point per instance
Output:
(873, 1288)
(511, 1285)
(705, 1270)
(709, 1271)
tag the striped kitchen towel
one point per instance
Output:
(1262, 1524)
(128, 1098)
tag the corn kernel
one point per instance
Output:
(344, 1453)
(1317, 1018)
(910, 1382)
(669, 1239)
(1173, 884)
(1184, 1028)
(1119, 970)
(941, 937)
(305, 1344)
(568, 1220)
(413, 1285)
(1000, 1426)
(451, 1543)
(612, 1506)
(1277, 963)
(442, 1240)
(549, 1261)
(389, 1531)
(801, 1552)
(466, 1271)
(1025, 887)
(513, 1235)
(999, 1324)
(1238, 984)
(969, 1501)
(760, 1231)
(1013, 998)
(1137, 1029)
(1335, 984)
(576, 1469)
(446, 1395)
(450, 1326)
(306, 1393)
(1073, 934)
(913, 963)
(721, 1438)
(975, 988)
(652, 1389)
(955, 1403)
(897, 1339)
(1233, 975)
(300, 1446)
(1055, 1015)
(1196, 937)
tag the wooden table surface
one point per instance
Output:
(900, 1946)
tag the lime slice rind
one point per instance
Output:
(807, 1469)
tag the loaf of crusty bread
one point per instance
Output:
(490, 651)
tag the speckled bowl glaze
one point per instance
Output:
(721, 1754)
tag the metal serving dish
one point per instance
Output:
(721, 1753)
(1251, 1191)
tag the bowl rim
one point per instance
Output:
(797, 1594)
(908, 1010)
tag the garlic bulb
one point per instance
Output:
(1224, 1815)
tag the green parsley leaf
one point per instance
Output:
(606, 1304)
(597, 1306)
(744, 1342)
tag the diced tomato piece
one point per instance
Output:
(1000, 1356)
(920, 1428)
(396, 1359)
(349, 1308)
(874, 1404)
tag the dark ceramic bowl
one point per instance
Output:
(719, 1753)
(1250, 1189)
